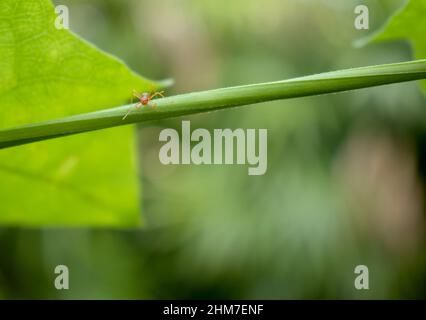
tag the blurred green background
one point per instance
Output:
(345, 180)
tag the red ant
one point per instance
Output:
(144, 99)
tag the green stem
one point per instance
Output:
(204, 101)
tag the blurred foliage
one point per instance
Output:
(345, 179)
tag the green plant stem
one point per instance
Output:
(204, 101)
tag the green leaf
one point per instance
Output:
(408, 23)
(45, 73)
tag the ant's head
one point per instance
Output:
(144, 98)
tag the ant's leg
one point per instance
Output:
(159, 93)
(136, 94)
(137, 106)
(152, 105)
